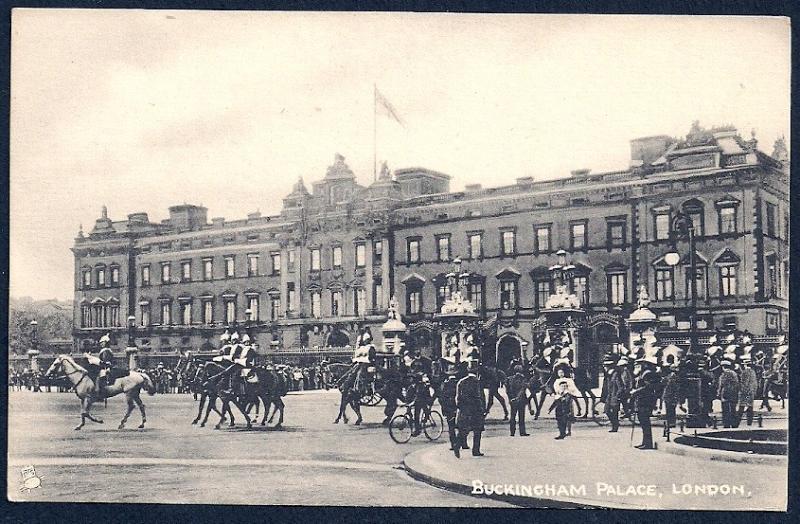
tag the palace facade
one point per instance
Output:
(327, 264)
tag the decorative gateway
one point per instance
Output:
(458, 321)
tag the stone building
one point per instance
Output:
(326, 265)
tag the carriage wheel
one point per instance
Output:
(400, 428)
(433, 426)
(372, 399)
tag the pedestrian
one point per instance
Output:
(728, 393)
(644, 396)
(612, 393)
(671, 395)
(517, 388)
(563, 406)
(447, 399)
(748, 387)
(471, 406)
(626, 378)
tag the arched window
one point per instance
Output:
(695, 209)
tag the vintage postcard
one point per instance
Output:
(399, 259)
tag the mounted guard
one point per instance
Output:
(100, 366)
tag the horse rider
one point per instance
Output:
(240, 359)
(364, 357)
(103, 363)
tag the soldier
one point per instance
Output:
(728, 393)
(471, 406)
(103, 363)
(644, 396)
(613, 389)
(748, 387)
(517, 387)
(447, 399)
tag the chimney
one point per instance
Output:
(253, 216)
(580, 172)
(188, 217)
(525, 181)
(138, 218)
(218, 222)
(470, 188)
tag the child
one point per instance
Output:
(563, 406)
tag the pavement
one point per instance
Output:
(593, 468)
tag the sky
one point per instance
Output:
(139, 110)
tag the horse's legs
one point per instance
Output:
(342, 407)
(489, 402)
(540, 404)
(225, 407)
(500, 399)
(200, 407)
(212, 401)
(139, 403)
(279, 408)
(83, 414)
(356, 405)
(128, 413)
(89, 402)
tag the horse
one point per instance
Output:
(493, 378)
(350, 395)
(197, 375)
(214, 383)
(272, 386)
(776, 383)
(84, 387)
(541, 383)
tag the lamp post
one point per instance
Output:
(683, 228)
(131, 331)
(33, 352)
(132, 351)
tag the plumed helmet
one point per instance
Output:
(246, 338)
(225, 336)
(235, 335)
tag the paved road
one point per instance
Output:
(311, 461)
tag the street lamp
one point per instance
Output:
(683, 228)
(33, 325)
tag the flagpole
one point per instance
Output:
(374, 132)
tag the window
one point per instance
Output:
(336, 303)
(727, 220)
(662, 226)
(615, 233)
(315, 260)
(86, 316)
(114, 276)
(252, 305)
(701, 281)
(413, 250)
(337, 257)
(377, 252)
(186, 313)
(360, 301)
(508, 294)
(414, 301)
(617, 293)
(101, 277)
(113, 315)
(146, 275)
(694, 209)
(165, 273)
(771, 230)
(541, 239)
(580, 288)
(577, 235)
(230, 310)
(664, 287)
(145, 315)
(475, 295)
(290, 297)
(208, 269)
(542, 293)
(252, 265)
(475, 241)
(316, 304)
(377, 295)
(274, 308)
(509, 246)
(442, 294)
(87, 278)
(443, 248)
(276, 262)
(208, 311)
(98, 315)
(361, 255)
(186, 271)
(166, 313)
(727, 281)
(230, 266)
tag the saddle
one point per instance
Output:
(115, 373)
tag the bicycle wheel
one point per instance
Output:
(372, 399)
(400, 428)
(433, 425)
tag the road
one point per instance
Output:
(310, 462)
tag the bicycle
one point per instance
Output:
(401, 427)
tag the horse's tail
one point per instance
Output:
(149, 386)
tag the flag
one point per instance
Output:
(386, 107)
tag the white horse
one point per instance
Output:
(84, 388)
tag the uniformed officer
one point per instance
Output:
(645, 395)
(471, 406)
(517, 388)
(447, 399)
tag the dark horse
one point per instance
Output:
(351, 395)
(541, 383)
(493, 378)
(196, 375)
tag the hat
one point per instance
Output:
(731, 348)
(745, 359)
(713, 339)
(783, 348)
(565, 352)
(713, 350)
(730, 338)
(235, 335)
(608, 361)
(547, 352)
(225, 336)
(246, 338)
(623, 361)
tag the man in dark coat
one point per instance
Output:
(645, 395)
(708, 388)
(471, 406)
(612, 393)
(447, 399)
(517, 388)
(728, 393)
(671, 396)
